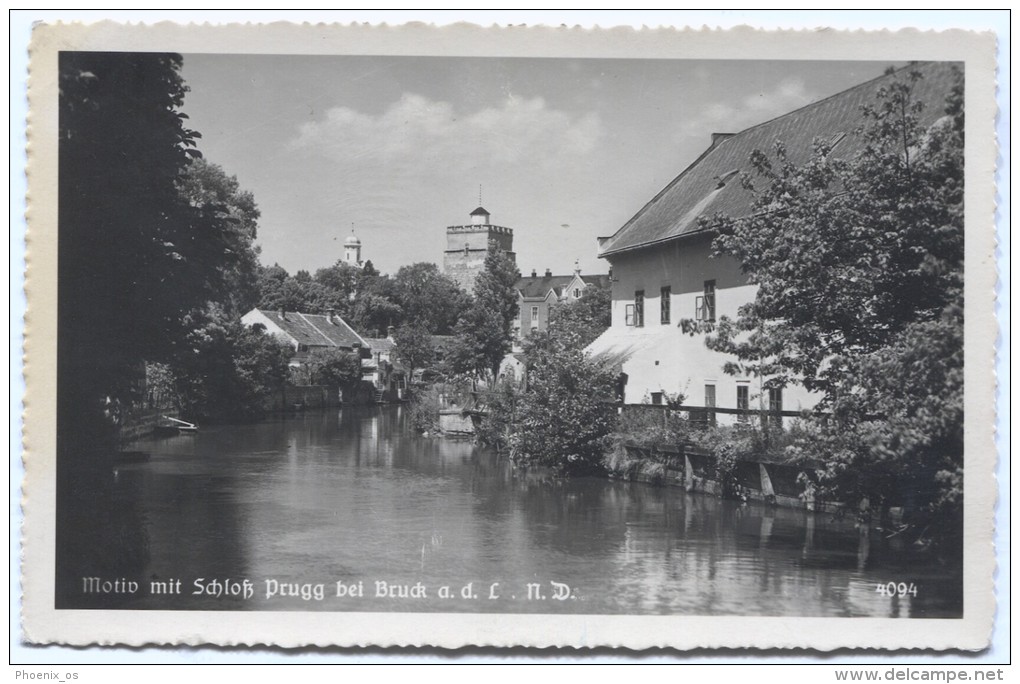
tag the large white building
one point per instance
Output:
(663, 268)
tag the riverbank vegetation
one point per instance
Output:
(859, 266)
(560, 417)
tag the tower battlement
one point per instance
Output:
(467, 246)
(480, 228)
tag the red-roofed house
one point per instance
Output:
(662, 264)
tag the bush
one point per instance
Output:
(230, 371)
(652, 428)
(425, 406)
(497, 428)
(563, 417)
(753, 441)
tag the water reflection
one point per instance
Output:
(357, 497)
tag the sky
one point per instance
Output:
(560, 150)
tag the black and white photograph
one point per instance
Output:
(507, 335)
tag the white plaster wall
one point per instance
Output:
(664, 359)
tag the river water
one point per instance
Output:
(350, 510)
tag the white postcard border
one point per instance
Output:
(43, 624)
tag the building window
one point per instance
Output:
(534, 316)
(710, 403)
(776, 405)
(639, 308)
(705, 305)
(743, 401)
(657, 398)
(629, 315)
(577, 293)
(664, 295)
(776, 399)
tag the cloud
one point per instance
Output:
(756, 108)
(417, 131)
(405, 173)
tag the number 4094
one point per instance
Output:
(901, 589)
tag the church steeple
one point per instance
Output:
(352, 249)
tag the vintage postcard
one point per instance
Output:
(464, 336)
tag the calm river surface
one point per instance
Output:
(327, 502)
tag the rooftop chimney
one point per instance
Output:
(548, 273)
(329, 315)
(283, 314)
(534, 273)
(389, 332)
(719, 137)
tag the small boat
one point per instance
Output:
(182, 426)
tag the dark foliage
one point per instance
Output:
(859, 267)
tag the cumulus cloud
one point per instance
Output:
(723, 117)
(416, 129)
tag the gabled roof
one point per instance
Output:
(539, 286)
(480, 211)
(380, 344)
(712, 183)
(314, 330)
(600, 280)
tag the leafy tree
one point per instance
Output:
(562, 418)
(270, 286)
(859, 267)
(333, 367)
(341, 280)
(231, 372)
(369, 270)
(485, 331)
(580, 322)
(208, 186)
(135, 255)
(414, 347)
(374, 314)
(429, 298)
(847, 253)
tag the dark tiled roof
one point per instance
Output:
(380, 344)
(539, 286)
(600, 280)
(711, 184)
(480, 211)
(314, 330)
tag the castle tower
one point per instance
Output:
(468, 245)
(352, 250)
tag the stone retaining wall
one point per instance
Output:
(698, 471)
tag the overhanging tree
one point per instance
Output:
(135, 255)
(859, 268)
